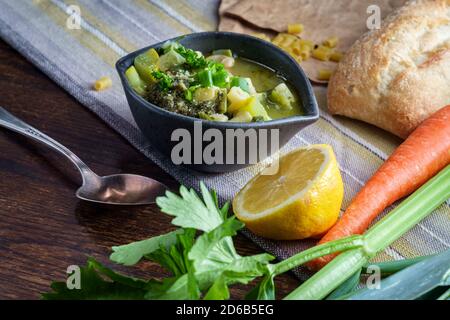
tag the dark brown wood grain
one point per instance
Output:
(43, 227)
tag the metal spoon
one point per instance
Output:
(119, 189)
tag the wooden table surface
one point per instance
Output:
(44, 228)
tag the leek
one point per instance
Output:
(390, 228)
(390, 267)
(205, 78)
(413, 282)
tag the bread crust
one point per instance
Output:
(399, 75)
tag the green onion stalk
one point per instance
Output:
(358, 250)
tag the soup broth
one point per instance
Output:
(264, 80)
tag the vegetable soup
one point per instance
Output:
(216, 87)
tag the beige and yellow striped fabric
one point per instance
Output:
(75, 58)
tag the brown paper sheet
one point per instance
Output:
(346, 19)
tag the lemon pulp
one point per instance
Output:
(301, 200)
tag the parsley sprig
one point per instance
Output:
(201, 266)
(203, 262)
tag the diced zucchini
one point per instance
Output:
(145, 64)
(243, 83)
(251, 87)
(242, 116)
(237, 98)
(223, 101)
(170, 45)
(255, 108)
(135, 81)
(205, 94)
(262, 97)
(282, 96)
(213, 117)
(223, 52)
(169, 60)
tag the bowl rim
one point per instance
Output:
(311, 98)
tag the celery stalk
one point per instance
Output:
(390, 228)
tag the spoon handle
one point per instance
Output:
(9, 121)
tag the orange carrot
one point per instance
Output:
(418, 159)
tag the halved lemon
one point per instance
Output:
(301, 200)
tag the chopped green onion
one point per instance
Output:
(205, 78)
(221, 78)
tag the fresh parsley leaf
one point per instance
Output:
(208, 264)
(213, 255)
(264, 290)
(190, 211)
(165, 81)
(175, 257)
(132, 253)
(181, 288)
(219, 290)
(193, 60)
(99, 282)
(210, 250)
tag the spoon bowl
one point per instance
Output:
(119, 189)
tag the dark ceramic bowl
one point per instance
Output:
(158, 124)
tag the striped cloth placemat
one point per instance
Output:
(42, 31)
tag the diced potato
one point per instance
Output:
(242, 116)
(255, 108)
(228, 62)
(169, 60)
(282, 96)
(205, 94)
(237, 98)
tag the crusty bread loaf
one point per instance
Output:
(397, 76)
